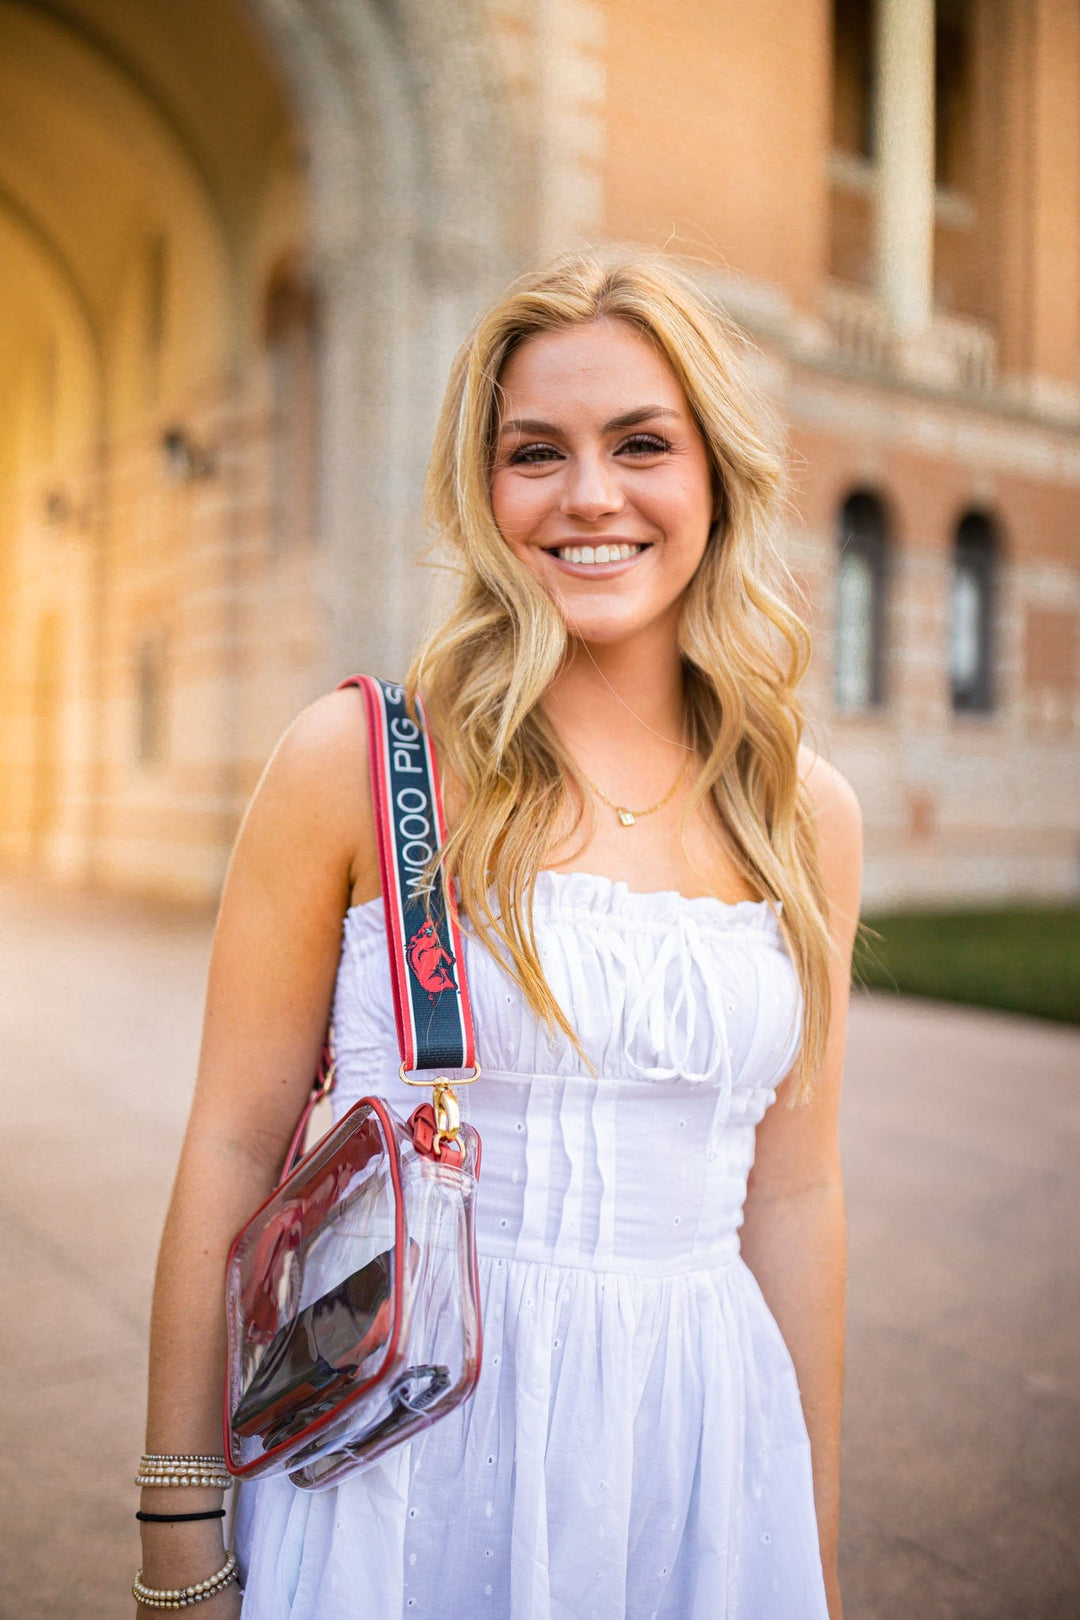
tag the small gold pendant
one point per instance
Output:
(626, 817)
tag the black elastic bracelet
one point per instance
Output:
(179, 1518)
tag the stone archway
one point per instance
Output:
(139, 204)
(158, 166)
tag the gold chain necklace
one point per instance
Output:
(626, 816)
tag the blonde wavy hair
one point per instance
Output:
(484, 672)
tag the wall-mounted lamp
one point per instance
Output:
(185, 461)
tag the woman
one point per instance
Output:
(661, 889)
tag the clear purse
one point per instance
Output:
(352, 1298)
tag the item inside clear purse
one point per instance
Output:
(353, 1312)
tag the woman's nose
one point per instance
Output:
(591, 490)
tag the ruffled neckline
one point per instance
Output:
(591, 894)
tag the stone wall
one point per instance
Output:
(238, 256)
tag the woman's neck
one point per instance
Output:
(620, 701)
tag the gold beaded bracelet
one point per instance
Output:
(184, 1597)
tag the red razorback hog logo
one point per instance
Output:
(430, 962)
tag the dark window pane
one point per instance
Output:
(971, 627)
(860, 604)
(952, 96)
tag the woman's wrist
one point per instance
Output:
(179, 1554)
(178, 1551)
(834, 1598)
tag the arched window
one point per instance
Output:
(971, 616)
(290, 332)
(860, 604)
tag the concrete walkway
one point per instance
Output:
(962, 1484)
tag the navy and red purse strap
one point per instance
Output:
(427, 965)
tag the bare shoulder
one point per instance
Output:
(831, 793)
(325, 745)
(277, 943)
(838, 817)
(311, 810)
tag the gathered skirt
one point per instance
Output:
(635, 1450)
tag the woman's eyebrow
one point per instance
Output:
(528, 424)
(644, 413)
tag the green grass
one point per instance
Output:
(1023, 959)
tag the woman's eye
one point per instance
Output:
(533, 454)
(645, 444)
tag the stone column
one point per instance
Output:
(905, 162)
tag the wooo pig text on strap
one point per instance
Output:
(434, 1020)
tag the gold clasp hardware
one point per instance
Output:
(459, 1079)
(447, 1115)
(444, 1104)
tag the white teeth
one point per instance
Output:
(597, 554)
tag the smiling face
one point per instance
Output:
(601, 483)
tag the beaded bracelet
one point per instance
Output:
(184, 1596)
(183, 1457)
(195, 1469)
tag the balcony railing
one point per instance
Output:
(955, 353)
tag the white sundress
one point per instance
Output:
(636, 1447)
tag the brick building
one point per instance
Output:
(240, 239)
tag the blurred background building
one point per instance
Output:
(241, 239)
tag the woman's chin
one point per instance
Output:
(604, 629)
(608, 623)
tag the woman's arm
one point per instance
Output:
(793, 1235)
(307, 841)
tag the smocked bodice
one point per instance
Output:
(687, 1010)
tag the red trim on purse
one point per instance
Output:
(241, 1469)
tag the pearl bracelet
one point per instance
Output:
(183, 1457)
(195, 1469)
(184, 1596)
